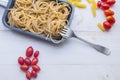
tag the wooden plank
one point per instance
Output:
(71, 51)
(1, 24)
(115, 69)
(64, 72)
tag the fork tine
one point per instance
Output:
(64, 35)
(66, 28)
(63, 32)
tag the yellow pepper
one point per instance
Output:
(93, 10)
(101, 26)
(79, 5)
(94, 4)
(76, 0)
(89, 1)
(73, 1)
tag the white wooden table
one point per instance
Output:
(72, 60)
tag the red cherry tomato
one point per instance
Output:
(24, 67)
(36, 68)
(110, 2)
(21, 60)
(28, 75)
(34, 61)
(105, 6)
(27, 61)
(36, 54)
(111, 19)
(108, 12)
(99, 4)
(103, 0)
(107, 25)
(29, 51)
(34, 74)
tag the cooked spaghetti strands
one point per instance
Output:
(40, 17)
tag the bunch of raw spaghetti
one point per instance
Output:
(40, 16)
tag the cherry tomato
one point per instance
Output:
(34, 61)
(107, 25)
(24, 67)
(103, 0)
(36, 54)
(29, 51)
(99, 4)
(28, 75)
(110, 2)
(105, 6)
(21, 60)
(36, 68)
(34, 74)
(108, 12)
(110, 19)
(27, 61)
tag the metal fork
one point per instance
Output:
(67, 33)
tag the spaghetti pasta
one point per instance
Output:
(40, 16)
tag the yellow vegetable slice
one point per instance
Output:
(79, 5)
(89, 1)
(94, 4)
(76, 0)
(101, 26)
(93, 10)
(72, 1)
(69, 0)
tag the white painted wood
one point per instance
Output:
(84, 21)
(71, 60)
(71, 51)
(64, 72)
(2, 27)
(3, 3)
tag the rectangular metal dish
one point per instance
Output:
(5, 20)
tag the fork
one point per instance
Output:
(67, 33)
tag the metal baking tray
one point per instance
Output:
(10, 4)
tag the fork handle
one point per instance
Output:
(91, 44)
(95, 46)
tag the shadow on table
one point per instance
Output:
(40, 40)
